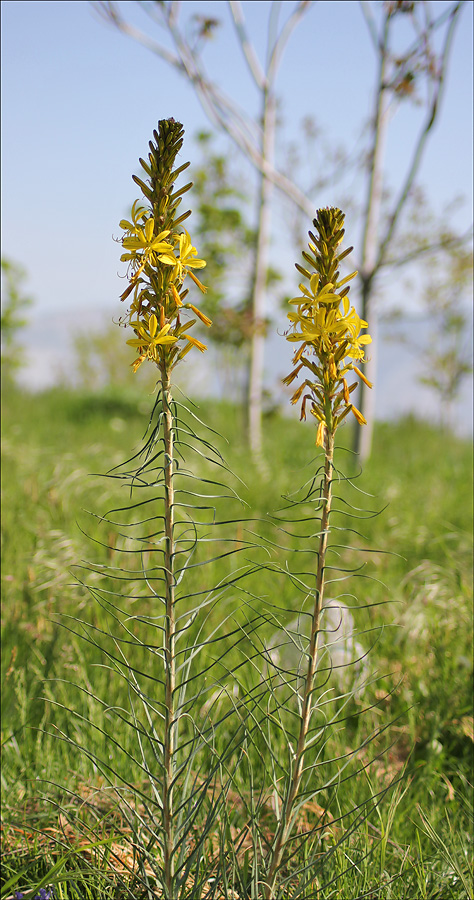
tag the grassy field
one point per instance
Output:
(415, 601)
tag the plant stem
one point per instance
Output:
(286, 822)
(169, 637)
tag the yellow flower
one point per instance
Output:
(143, 246)
(184, 262)
(149, 339)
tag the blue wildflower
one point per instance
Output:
(43, 895)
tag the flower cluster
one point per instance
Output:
(328, 330)
(160, 258)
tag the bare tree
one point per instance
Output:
(400, 76)
(255, 137)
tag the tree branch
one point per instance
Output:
(218, 107)
(301, 8)
(417, 156)
(248, 50)
(456, 241)
(370, 21)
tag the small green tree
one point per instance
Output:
(14, 303)
(447, 360)
(102, 359)
(229, 245)
(227, 240)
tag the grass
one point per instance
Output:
(414, 594)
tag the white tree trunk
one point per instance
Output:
(255, 393)
(363, 441)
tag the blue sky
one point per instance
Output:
(80, 102)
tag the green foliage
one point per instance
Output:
(226, 242)
(102, 359)
(52, 441)
(14, 304)
(448, 358)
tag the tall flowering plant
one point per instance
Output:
(160, 257)
(331, 341)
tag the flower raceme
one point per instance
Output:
(159, 259)
(327, 329)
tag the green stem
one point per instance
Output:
(286, 822)
(169, 637)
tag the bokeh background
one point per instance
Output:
(80, 100)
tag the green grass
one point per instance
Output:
(415, 594)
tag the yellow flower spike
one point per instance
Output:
(160, 255)
(326, 326)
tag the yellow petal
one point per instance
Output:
(361, 375)
(149, 226)
(137, 363)
(320, 434)
(358, 415)
(196, 281)
(195, 342)
(345, 390)
(199, 314)
(152, 325)
(177, 298)
(168, 259)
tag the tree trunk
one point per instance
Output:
(255, 391)
(363, 435)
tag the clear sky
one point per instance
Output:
(80, 102)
